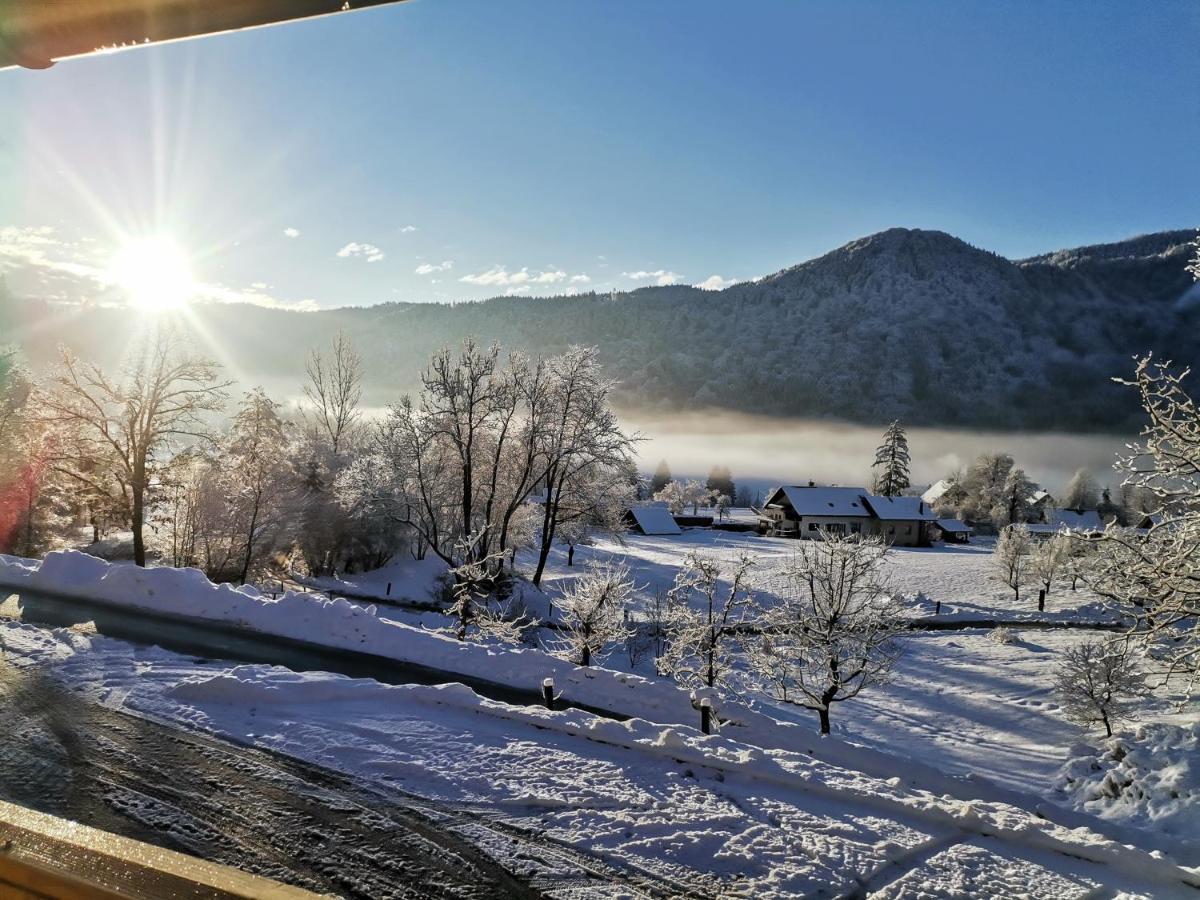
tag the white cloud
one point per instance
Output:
(428, 268)
(408, 229)
(580, 279)
(369, 252)
(513, 291)
(660, 277)
(715, 283)
(291, 232)
(499, 276)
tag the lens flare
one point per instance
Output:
(154, 274)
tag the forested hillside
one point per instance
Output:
(905, 323)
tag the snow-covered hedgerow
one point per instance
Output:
(1149, 779)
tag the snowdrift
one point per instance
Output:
(340, 624)
(1149, 779)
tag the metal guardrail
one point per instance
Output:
(42, 856)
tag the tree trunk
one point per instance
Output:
(570, 554)
(586, 656)
(824, 714)
(1107, 724)
(138, 516)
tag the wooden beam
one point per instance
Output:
(44, 856)
(37, 33)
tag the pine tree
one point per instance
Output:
(892, 456)
(662, 477)
(720, 481)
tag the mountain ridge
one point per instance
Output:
(905, 323)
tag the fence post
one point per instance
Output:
(1041, 599)
(706, 716)
(937, 607)
(548, 692)
(389, 589)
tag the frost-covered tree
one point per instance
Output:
(1154, 577)
(255, 463)
(594, 503)
(661, 478)
(593, 613)
(125, 427)
(1082, 491)
(1012, 558)
(1099, 681)
(833, 633)
(577, 446)
(680, 495)
(1013, 501)
(711, 600)
(892, 461)
(334, 390)
(983, 486)
(1051, 558)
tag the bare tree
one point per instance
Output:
(1050, 558)
(334, 389)
(711, 601)
(160, 399)
(1012, 557)
(833, 633)
(582, 439)
(1099, 681)
(593, 611)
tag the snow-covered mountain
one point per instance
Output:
(905, 323)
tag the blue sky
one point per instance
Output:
(539, 146)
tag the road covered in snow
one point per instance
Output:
(608, 808)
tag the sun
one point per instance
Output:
(154, 273)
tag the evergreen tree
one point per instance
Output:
(662, 477)
(892, 460)
(720, 481)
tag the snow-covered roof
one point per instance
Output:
(953, 526)
(900, 509)
(937, 491)
(826, 501)
(1062, 519)
(1070, 518)
(655, 520)
(1040, 497)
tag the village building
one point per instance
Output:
(1086, 521)
(1041, 506)
(651, 519)
(952, 531)
(904, 521)
(804, 512)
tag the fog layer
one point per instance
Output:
(775, 450)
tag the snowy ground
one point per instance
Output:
(709, 813)
(960, 704)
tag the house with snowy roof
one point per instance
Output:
(904, 521)
(651, 518)
(806, 512)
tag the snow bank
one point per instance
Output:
(1149, 779)
(343, 625)
(782, 770)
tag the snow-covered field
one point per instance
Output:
(712, 813)
(965, 720)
